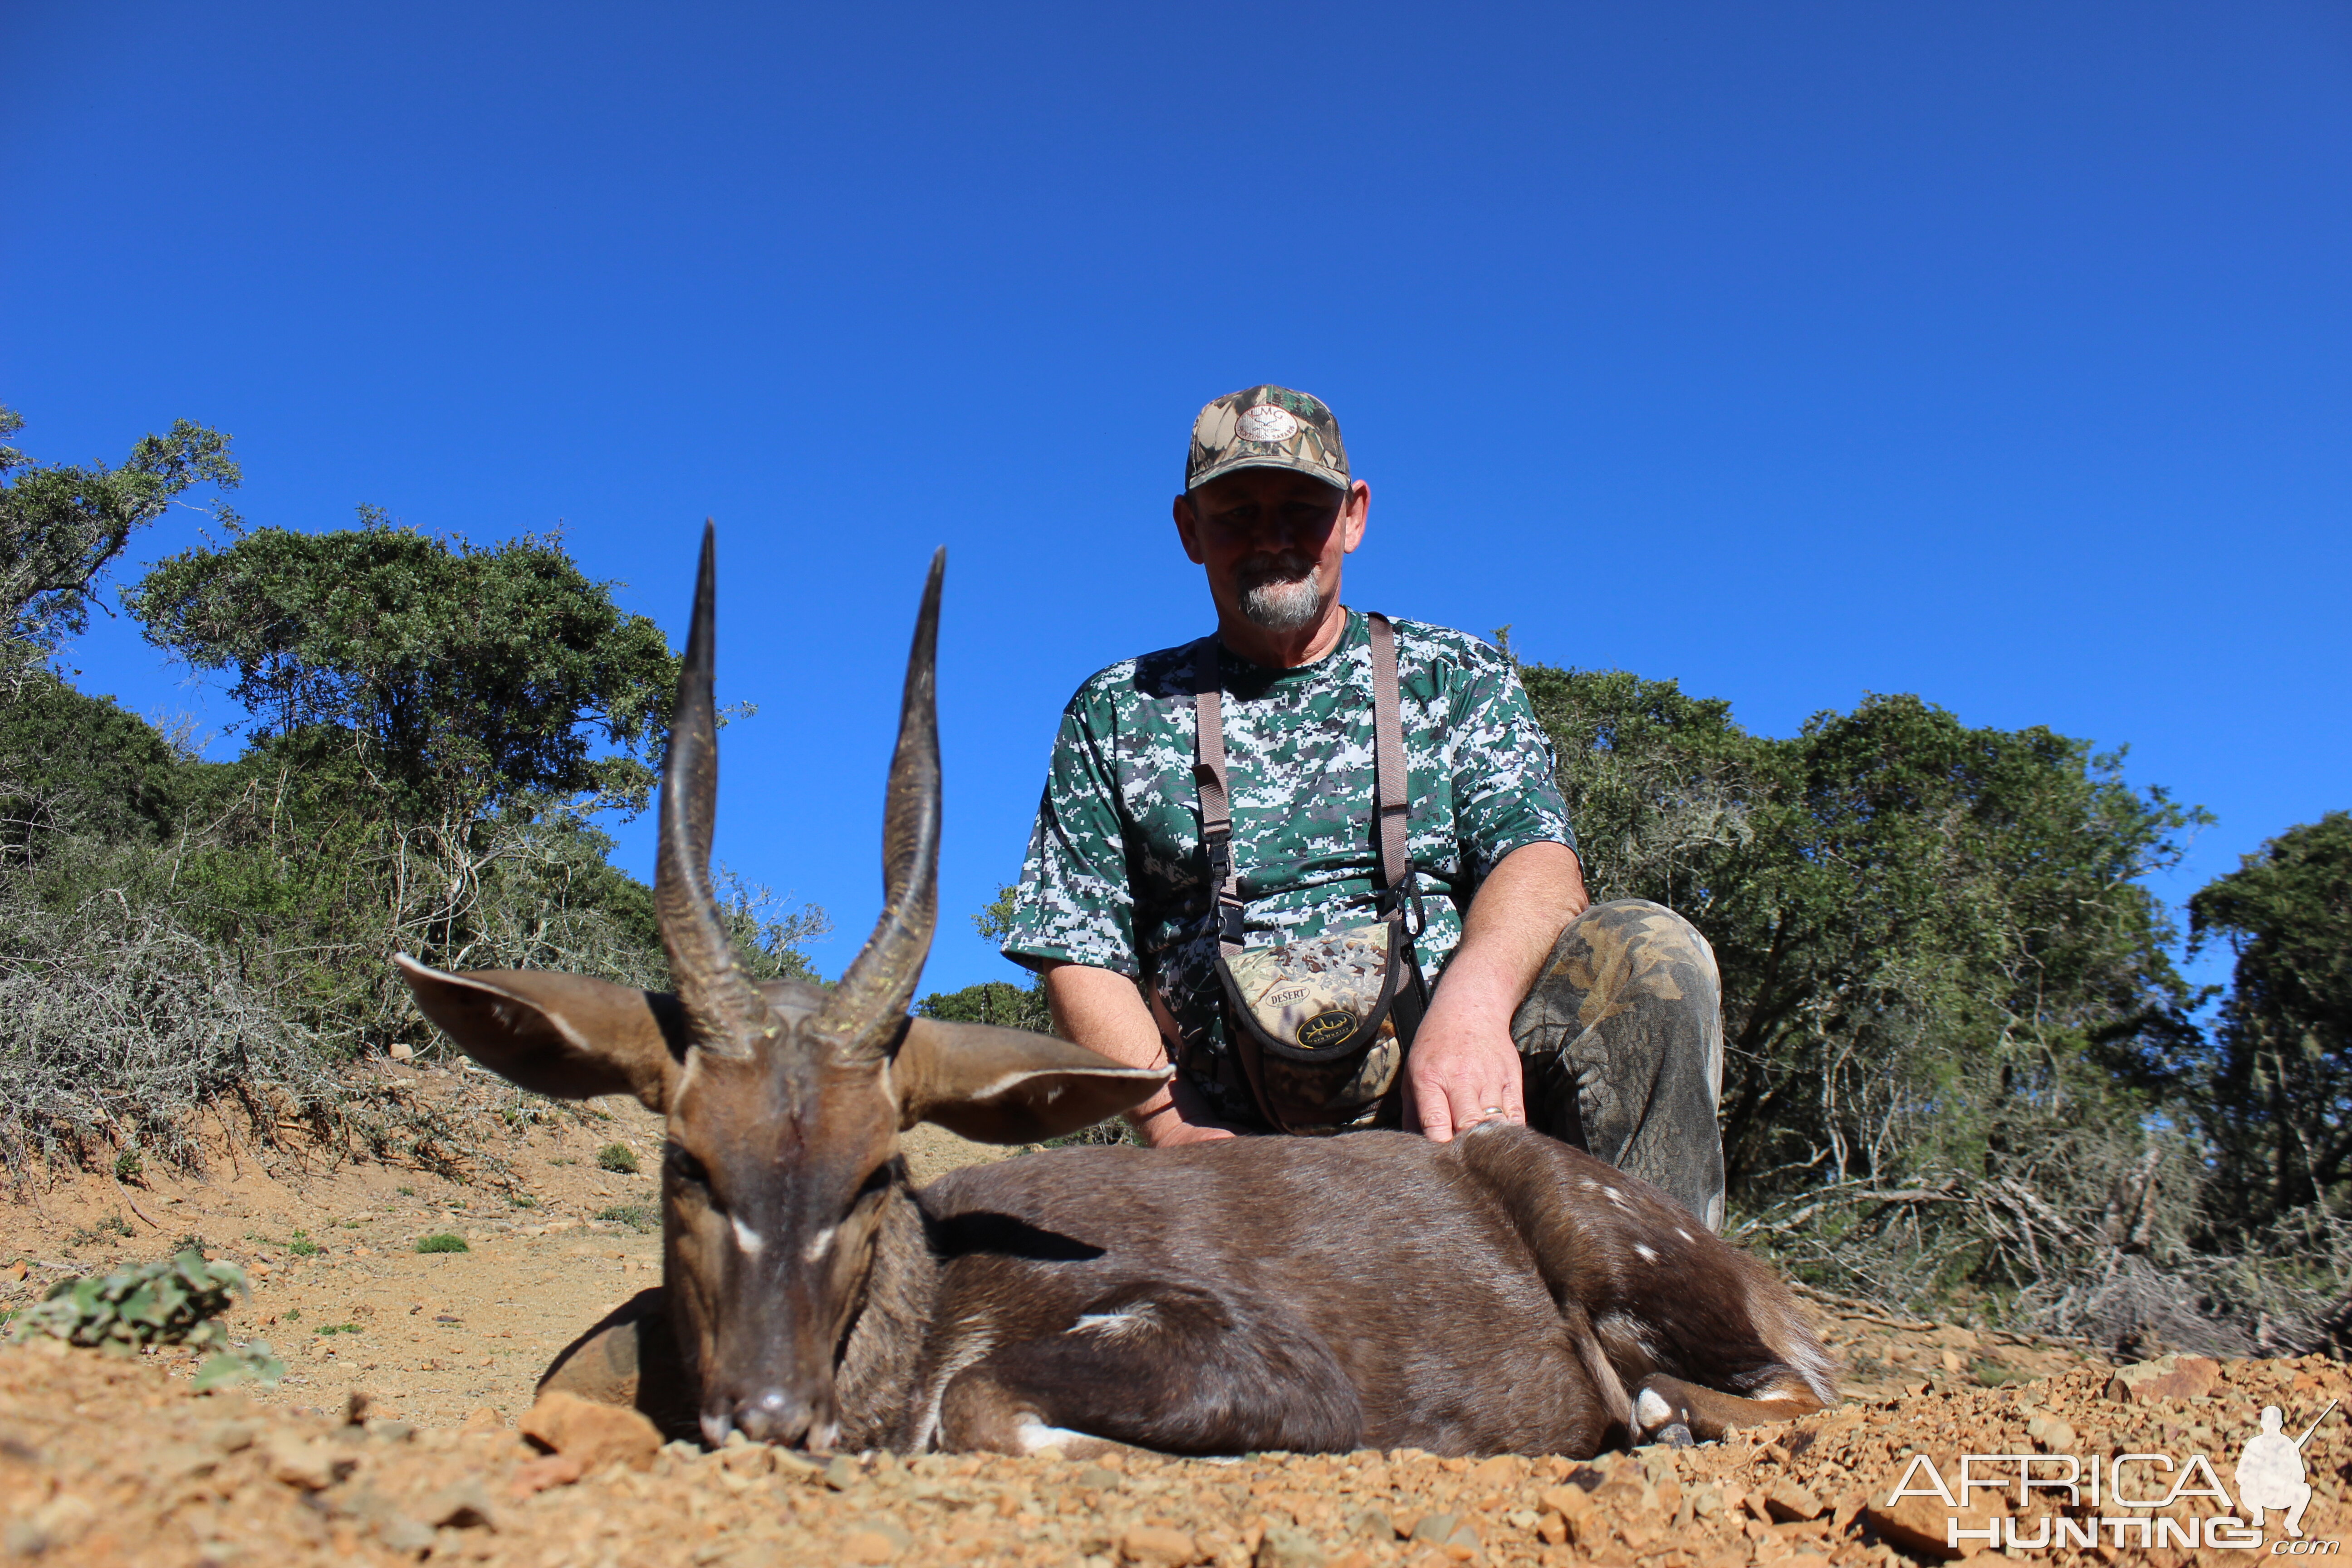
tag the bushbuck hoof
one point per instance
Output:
(629, 1359)
(1673, 1435)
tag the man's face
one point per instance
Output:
(1273, 540)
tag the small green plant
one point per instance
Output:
(191, 1242)
(442, 1242)
(336, 1329)
(522, 1200)
(175, 1303)
(302, 1246)
(617, 1157)
(293, 1315)
(112, 1225)
(127, 1165)
(1991, 1373)
(406, 1192)
(639, 1217)
(253, 1362)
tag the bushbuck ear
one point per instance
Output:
(1007, 1086)
(563, 1035)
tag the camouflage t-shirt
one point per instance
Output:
(1116, 877)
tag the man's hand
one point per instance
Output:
(1464, 1067)
(1102, 1011)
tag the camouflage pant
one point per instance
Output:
(1621, 1039)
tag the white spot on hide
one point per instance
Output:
(1616, 1197)
(1136, 1319)
(1649, 1411)
(1034, 1435)
(1647, 1255)
(1683, 1233)
(750, 1240)
(818, 1246)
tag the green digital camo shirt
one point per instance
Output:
(1116, 877)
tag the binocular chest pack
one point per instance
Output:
(1320, 1025)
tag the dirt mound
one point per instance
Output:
(107, 1462)
(328, 1237)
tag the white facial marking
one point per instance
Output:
(1650, 1410)
(1681, 1232)
(750, 1240)
(818, 1246)
(1647, 1255)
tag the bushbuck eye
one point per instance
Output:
(687, 1168)
(877, 1180)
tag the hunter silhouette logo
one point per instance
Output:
(2270, 1472)
(2270, 1479)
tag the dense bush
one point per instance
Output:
(1960, 1065)
(437, 729)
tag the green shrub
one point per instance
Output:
(302, 1246)
(442, 1242)
(175, 1303)
(127, 1165)
(111, 1224)
(639, 1217)
(617, 1157)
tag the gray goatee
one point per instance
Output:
(1284, 595)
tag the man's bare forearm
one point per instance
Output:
(1101, 1010)
(1520, 912)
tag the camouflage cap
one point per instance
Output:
(1266, 428)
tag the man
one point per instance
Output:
(1599, 1026)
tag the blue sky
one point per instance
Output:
(1999, 353)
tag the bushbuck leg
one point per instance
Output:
(1667, 1402)
(1170, 1368)
(1665, 1300)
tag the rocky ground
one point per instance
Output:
(406, 1429)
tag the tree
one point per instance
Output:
(2280, 1107)
(1939, 970)
(998, 1002)
(61, 526)
(424, 763)
(473, 678)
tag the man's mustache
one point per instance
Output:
(1288, 566)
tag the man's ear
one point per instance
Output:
(563, 1035)
(1007, 1086)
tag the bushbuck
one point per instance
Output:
(1500, 1292)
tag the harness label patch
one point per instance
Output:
(1326, 1028)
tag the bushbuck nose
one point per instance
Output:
(772, 1416)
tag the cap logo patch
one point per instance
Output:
(1267, 422)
